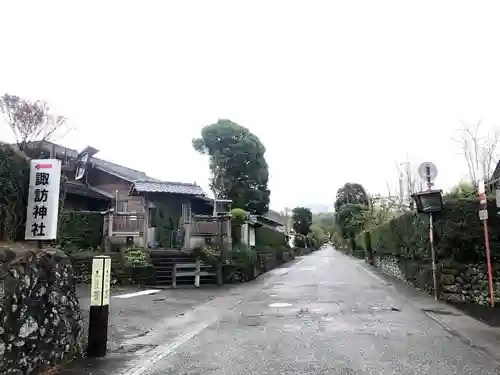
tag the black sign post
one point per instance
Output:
(99, 306)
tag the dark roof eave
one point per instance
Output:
(113, 173)
(134, 191)
(75, 188)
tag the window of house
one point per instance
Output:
(152, 217)
(122, 206)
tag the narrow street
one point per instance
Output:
(325, 314)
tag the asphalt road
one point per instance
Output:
(323, 315)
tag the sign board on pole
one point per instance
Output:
(483, 214)
(101, 281)
(427, 171)
(96, 282)
(106, 283)
(43, 199)
(99, 306)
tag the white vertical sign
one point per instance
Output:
(106, 283)
(96, 281)
(101, 281)
(43, 199)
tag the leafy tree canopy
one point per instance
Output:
(302, 220)
(326, 221)
(463, 190)
(239, 168)
(351, 193)
(351, 219)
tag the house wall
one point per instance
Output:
(251, 236)
(245, 234)
(197, 240)
(248, 234)
(111, 184)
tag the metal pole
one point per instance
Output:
(483, 214)
(488, 257)
(431, 240)
(433, 254)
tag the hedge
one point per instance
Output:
(80, 231)
(131, 266)
(458, 234)
(266, 237)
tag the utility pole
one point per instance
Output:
(483, 215)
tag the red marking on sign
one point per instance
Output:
(44, 166)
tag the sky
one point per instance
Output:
(338, 91)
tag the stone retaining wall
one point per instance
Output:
(40, 318)
(460, 283)
(468, 283)
(389, 265)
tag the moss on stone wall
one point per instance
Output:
(40, 317)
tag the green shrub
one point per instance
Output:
(458, 234)
(137, 266)
(135, 257)
(458, 237)
(241, 265)
(299, 241)
(363, 242)
(267, 237)
(339, 242)
(79, 231)
(238, 216)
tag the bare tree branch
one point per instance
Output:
(29, 120)
(479, 151)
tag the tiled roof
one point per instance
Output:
(117, 170)
(128, 174)
(167, 187)
(275, 216)
(76, 187)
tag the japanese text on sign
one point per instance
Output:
(43, 199)
(101, 281)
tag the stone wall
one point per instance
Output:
(468, 283)
(460, 283)
(389, 265)
(40, 318)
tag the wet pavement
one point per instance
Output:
(325, 313)
(137, 315)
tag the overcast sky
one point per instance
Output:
(336, 90)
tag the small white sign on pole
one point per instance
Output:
(106, 291)
(43, 199)
(101, 281)
(96, 282)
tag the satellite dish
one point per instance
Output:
(427, 171)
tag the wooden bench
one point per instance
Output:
(195, 270)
